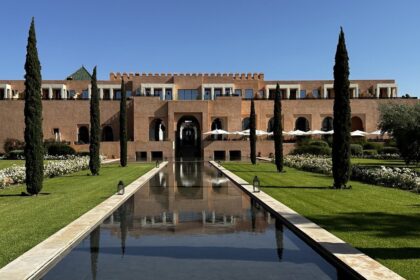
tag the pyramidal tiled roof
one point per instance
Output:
(80, 75)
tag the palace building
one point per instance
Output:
(168, 113)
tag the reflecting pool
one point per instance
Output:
(191, 222)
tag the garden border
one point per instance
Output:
(36, 262)
(343, 253)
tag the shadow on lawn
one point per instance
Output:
(379, 224)
(393, 253)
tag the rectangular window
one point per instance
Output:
(187, 94)
(85, 94)
(168, 95)
(238, 92)
(217, 92)
(302, 94)
(71, 94)
(315, 93)
(228, 91)
(207, 94)
(117, 95)
(249, 93)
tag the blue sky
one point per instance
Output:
(287, 40)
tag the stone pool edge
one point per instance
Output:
(34, 263)
(354, 260)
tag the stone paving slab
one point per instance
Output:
(364, 266)
(37, 261)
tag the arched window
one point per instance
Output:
(356, 124)
(302, 123)
(107, 134)
(327, 124)
(83, 135)
(245, 123)
(217, 124)
(157, 130)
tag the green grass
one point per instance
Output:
(4, 163)
(26, 221)
(382, 222)
(385, 162)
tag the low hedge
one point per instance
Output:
(356, 149)
(15, 154)
(59, 149)
(372, 146)
(370, 152)
(319, 143)
(389, 150)
(312, 149)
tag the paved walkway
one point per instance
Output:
(361, 264)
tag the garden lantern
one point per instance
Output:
(120, 188)
(256, 184)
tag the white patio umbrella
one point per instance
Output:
(297, 133)
(377, 132)
(257, 132)
(316, 132)
(272, 133)
(358, 133)
(217, 132)
(329, 132)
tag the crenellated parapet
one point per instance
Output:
(234, 76)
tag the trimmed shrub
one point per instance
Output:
(389, 150)
(319, 143)
(15, 154)
(370, 152)
(312, 150)
(372, 146)
(59, 149)
(356, 149)
(12, 144)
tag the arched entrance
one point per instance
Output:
(107, 134)
(302, 124)
(356, 124)
(188, 138)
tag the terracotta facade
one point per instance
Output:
(162, 114)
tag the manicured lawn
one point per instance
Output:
(4, 163)
(382, 222)
(379, 162)
(26, 221)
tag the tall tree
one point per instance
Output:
(252, 134)
(342, 116)
(123, 125)
(95, 128)
(278, 131)
(34, 149)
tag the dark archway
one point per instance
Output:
(157, 130)
(83, 135)
(327, 124)
(188, 138)
(217, 124)
(356, 124)
(245, 123)
(107, 134)
(302, 123)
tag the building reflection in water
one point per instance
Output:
(189, 198)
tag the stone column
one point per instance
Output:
(111, 93)
(203, 92)
(223, 91)
(163, 93)
(377, 91)
(89, 91)
(63, 93)
(50, 93)
(325, 94)
(267, 93)
(394, 93)
(388, 92)
(212, 93)
(288, 93)
(101, 93)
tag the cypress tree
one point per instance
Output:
(95, 128)
(278, 131)
(34, 149)
(123, 126)
(252, 134)
(342, 116)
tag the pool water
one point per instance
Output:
(190, 222)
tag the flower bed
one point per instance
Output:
(403, 178)
(16, 174)
(380, 156)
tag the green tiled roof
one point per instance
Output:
(81, 75)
